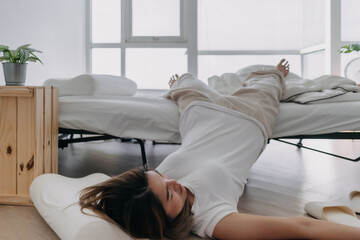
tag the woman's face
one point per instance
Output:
(172, 195)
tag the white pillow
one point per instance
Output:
(114, 85)
(93, 84)
(52, 194)
(77, 86)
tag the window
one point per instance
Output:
(314, 64)
(129, 35)
(156, 18)
(243, 25)
(106, 61)
(106, 13)
(152, 67)
(350, 19)
(148, 41)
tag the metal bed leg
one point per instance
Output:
(143, 153)
(316, 150)
(299, 144)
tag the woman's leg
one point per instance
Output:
(186, 89)
(261, 96)
(259, 99)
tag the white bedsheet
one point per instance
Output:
(324, 89)
(156, 118)
(310, 119)
(136, 117)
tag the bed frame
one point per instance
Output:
(66, 137)
(346, 135)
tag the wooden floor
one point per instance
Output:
(280, 183)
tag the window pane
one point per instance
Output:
(106, 61)
(210, 65)
(106, 21)
(314, 64)
(314, 22)
(151, 68)
(156, 18)
(350, 20)
(247, 25)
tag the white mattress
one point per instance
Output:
(156, 118)
(151, 118)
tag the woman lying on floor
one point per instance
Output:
(222, 137)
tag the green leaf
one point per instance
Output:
(7, 56)
(355, 47)
(24, 55)
(20, 48)
(2, 59)
(3, 47)
(23, 46)
(32, 59)
(35, 57)
(13, 54)
(34, 50)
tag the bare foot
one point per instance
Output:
(283, 67)
(173, 79)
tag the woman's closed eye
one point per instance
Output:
(169, 195)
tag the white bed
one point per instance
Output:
(114, 106)
(156, 118)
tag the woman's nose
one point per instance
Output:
(171, 182)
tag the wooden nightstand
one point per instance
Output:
(28, 139)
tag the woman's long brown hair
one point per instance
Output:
(128, 201)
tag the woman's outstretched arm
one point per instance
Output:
(246, 226)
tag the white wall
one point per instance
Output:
(57, 28)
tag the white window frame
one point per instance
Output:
(154, 39)
(188, 38)
(129, 41)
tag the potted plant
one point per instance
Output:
(16, 62)
(350, 48)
